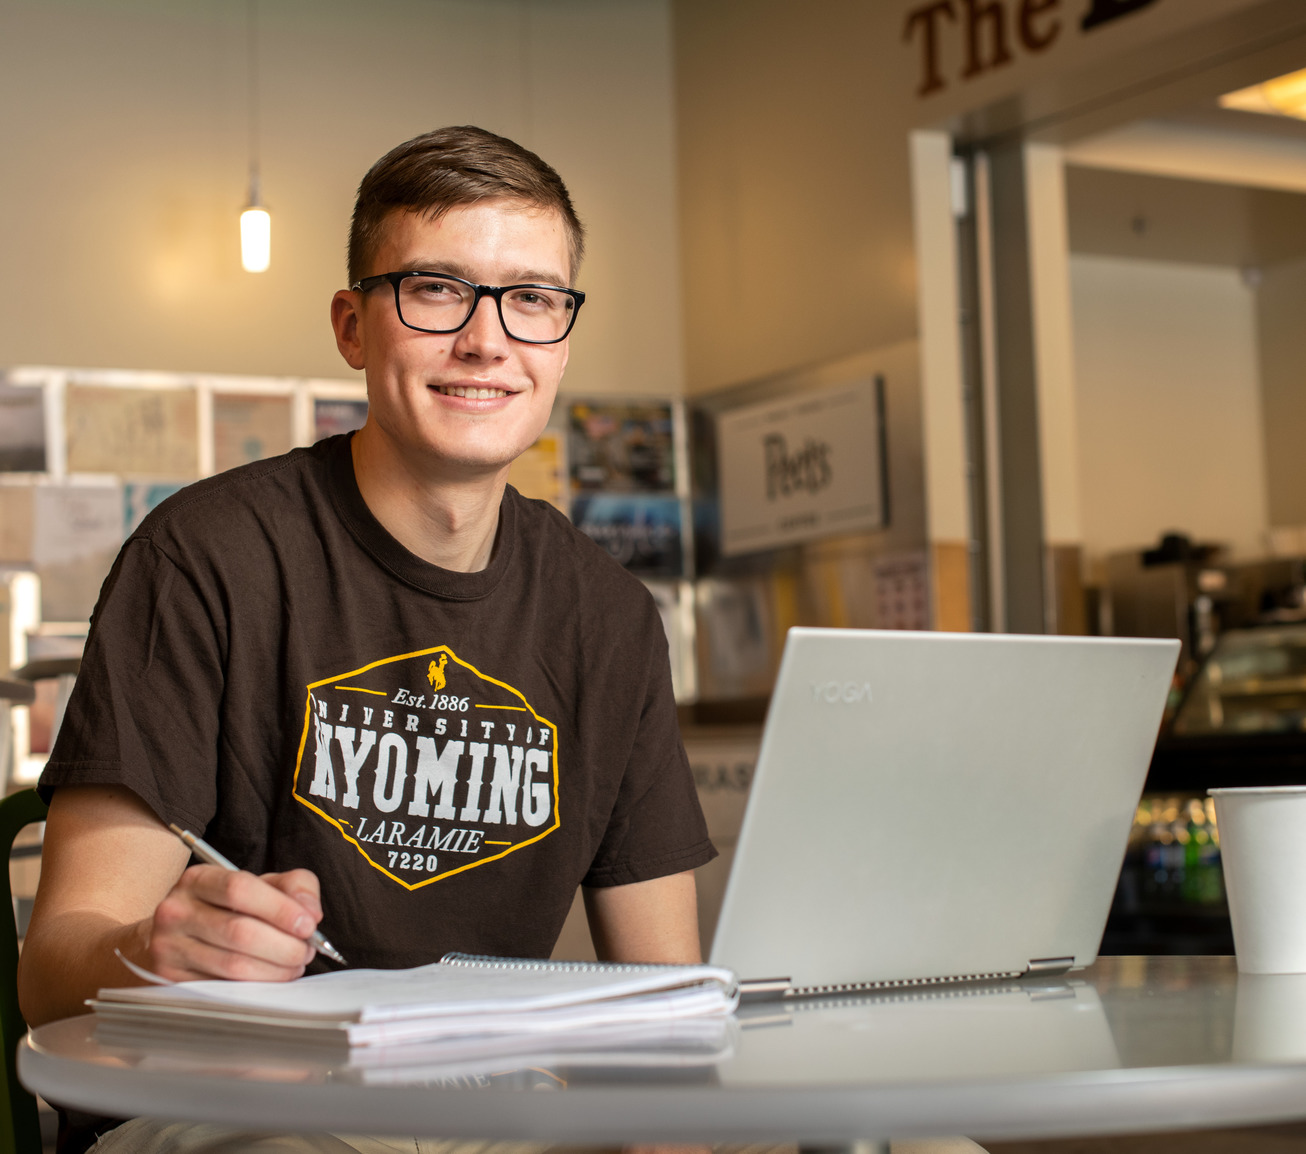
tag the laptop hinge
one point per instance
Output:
(1044, 967)
(764, 989)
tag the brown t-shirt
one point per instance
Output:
(452, 753)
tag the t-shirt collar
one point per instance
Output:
(390, 554)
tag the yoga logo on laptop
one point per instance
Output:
(427, 766)
(841, 692)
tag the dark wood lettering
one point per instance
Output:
(1104, 11)
(1031, 11)
(981, 15)
(926, 19)
(988, 31)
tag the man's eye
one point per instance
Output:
(535, 300)
(432, 291)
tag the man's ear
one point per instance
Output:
(346, 322)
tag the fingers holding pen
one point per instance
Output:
(219, 923)
(303, 886)
(270, 898)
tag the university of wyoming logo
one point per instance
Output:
(427, 766)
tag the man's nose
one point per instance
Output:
(483, 334)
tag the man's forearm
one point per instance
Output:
(72, 956)
(114, 877)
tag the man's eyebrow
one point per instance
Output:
(535, 276)
(458, 269)
(451, 267)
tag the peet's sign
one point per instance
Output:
(992, 32)
(802, 467)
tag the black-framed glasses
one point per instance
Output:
(433, 302)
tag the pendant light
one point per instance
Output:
(255, 222)
(1282, 96)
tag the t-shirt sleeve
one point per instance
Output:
(656, 827)
(144, 710)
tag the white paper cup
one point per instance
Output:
(1269, 1018)
(1263, 853)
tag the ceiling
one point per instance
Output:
(1133, 214)
(1205, 143)
(1205, 185)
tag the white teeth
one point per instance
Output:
(474, 393)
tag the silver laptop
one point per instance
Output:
(939, 807)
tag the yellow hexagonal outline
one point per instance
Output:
(308, 724)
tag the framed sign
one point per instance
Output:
(334, 415)
(140, 499)
(804, 466)
(540, 472)
(621, 447)
(139, 432)
(249, 428)
(22, 429)
(641, 530)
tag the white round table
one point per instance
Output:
(1129, 1045)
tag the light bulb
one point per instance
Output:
(255, 239)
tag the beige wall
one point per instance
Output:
(795, 191)
(125, 159)
(1169, 411)
(1176, 223)
(793, 154)
(1281, 307)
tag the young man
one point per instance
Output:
(417, 708)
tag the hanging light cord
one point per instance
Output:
(253, 75)
(255, 223)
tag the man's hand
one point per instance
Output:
(114, 877)
(219, 924)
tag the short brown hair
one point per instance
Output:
(440, 170)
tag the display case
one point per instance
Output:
(1242, 719)
(1253, 683)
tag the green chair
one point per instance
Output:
(20, 1132)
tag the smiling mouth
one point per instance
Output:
(474, 393)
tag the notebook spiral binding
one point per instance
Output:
(490, 962)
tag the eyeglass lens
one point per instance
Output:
(440, 305)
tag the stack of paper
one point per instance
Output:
(681, 1044)
(448, 999)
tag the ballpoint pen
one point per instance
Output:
(207, 854)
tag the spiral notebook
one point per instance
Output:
(459, 996)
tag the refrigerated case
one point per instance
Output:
(1170, 898)
(1253, 684)
(1242, 719)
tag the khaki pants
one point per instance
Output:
(150, 1136)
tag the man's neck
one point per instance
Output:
(445, 518)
